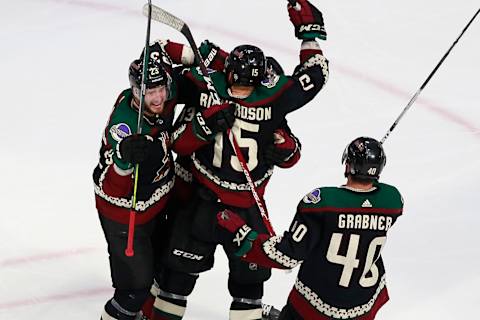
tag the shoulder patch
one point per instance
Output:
(270, 82)
(313, 197)
(120, 131)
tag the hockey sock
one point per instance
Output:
(113, 311)
(169, 306)
(148, 305)
(124, 305)
(245, 309)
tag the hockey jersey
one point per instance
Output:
(113, 177)
(337, 236)
(214, 163)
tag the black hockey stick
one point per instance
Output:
(169, 19)
(415, 96)
(131, 222)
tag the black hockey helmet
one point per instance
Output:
(365, 157)
(245, 65)
(156, 73)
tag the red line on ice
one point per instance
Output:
(54, 297)
(45, 257)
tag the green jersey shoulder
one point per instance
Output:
(381, 195)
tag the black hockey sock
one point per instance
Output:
(113, 310)
(242, 308)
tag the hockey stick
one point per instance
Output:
(415, 96)
(167, 18)
(129, 252)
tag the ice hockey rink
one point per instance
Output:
(63, 63)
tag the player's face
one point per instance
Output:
(155, 99)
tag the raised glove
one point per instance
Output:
(282, 149)
(217, 118)
(307, 20)
(240, 234)
(135, 148)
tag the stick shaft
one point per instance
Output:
(424, 84)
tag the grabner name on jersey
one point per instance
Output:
(242, 112)
(364, 221)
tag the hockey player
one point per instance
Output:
(120, 151)
(337, 236)
(253, 109)
(284, 152)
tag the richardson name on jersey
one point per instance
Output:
(364, 221)
(257, 114)
(242, 112)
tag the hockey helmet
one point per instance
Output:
(245, 65)
(156, 73)
(365, 157)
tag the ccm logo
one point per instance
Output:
(187, 255)
(310, 27)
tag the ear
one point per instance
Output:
(347, 170)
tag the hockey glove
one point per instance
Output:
(282, 149)
(213, 56)
(217, 118)
(135, 148)
(307, 20)
(239, 233)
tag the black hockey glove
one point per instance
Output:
(282, 149)
(238, 232)
(217, 118)
(136, 148)
(307, 20)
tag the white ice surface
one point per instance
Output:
(63, 62)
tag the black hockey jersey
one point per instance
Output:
(214, 162)
(337, 236)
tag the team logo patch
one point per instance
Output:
(120, 131)
(313, 197)
(270, 82)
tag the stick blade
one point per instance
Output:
(165, 17)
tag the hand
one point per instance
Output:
(135, 148)
(307, 20)
(241, 235)
(217, 118)
(282, 149)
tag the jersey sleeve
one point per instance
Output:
(288, 250)
(116, 130)
(308, 78)
(184, 138)
(179, 53)
(118, 180)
